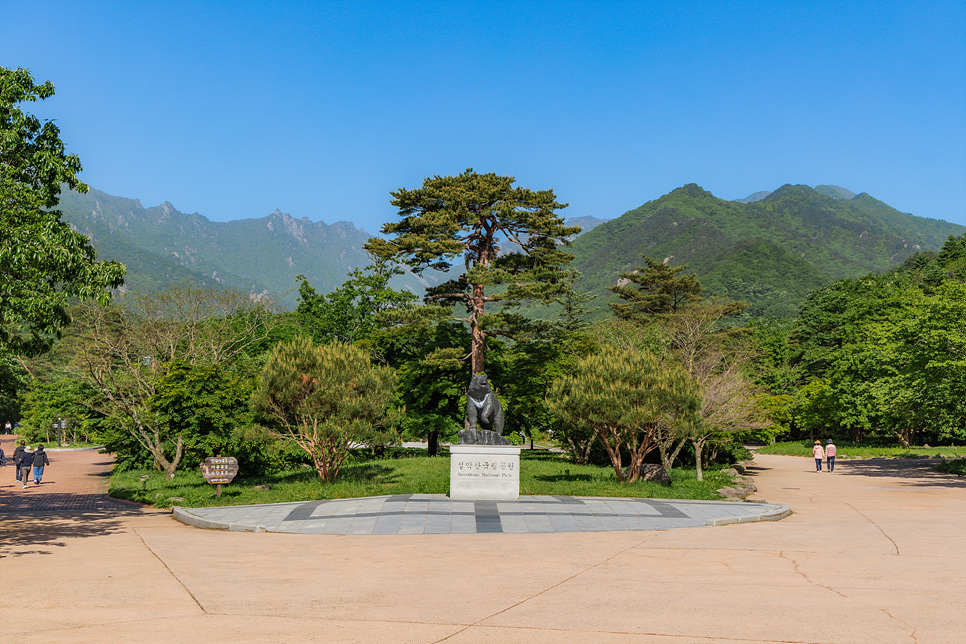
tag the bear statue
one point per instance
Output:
(484, 415)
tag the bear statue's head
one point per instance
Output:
(479, 386)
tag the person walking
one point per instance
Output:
(817, 452)
(830, 455)
(17, 454)
(23, 465)
(40, 459)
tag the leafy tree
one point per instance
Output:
(839, 343)
(527, 367)
(717, 359)
(774, 356)
(64, 398)
(887, 351)
(653, 289)
(126, 352)
(13, 382)
(204, 403)
(623, 396)
(322, 398)
(44, 264)
(349, 313)
(924, 351)
(508, 237)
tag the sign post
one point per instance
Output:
(218, 470)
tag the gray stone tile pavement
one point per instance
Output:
(437, 514)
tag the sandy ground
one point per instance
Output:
(875, 552)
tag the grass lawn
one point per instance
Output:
(541, 473)
(849, 450)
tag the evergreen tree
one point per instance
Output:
(653, 289)
(623, 396)
(508, 237)
(322, 398)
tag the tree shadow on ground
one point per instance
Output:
(756, 469)
(41, 532)
(919, 472)
(558, 478)
(369, 472)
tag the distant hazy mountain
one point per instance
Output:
(757, 196)
(835, 192)
(769, 250)
(161, 246)
(587, 223)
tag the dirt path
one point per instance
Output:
(875, 552)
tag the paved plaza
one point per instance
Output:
(437, 514)
(873, 553)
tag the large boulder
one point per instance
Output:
(651, 472)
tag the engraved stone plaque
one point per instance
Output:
(484, 472)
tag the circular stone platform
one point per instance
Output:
(438, 514)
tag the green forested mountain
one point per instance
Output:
(769, 250)
(161, 246)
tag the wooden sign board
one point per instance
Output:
(219, 469)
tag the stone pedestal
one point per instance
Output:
(478, 472)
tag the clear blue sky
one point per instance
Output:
(319, 109)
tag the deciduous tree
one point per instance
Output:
(717, 359)
(125, 352)
(44, 264)
(350, 312)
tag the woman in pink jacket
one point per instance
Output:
(830, 455)
(819, 454)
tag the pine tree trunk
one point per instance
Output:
(478, 353)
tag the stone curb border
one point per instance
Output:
(772, 515)
(185, 516)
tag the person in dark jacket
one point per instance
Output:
(17, 453)
(26, 461)
(40, 459)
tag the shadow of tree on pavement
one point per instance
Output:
(918, 471)
(41, 532)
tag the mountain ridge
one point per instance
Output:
(259, 255)
(769, 252)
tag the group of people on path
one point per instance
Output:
(25, 461)
(828, 454)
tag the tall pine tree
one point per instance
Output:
(509, 239)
